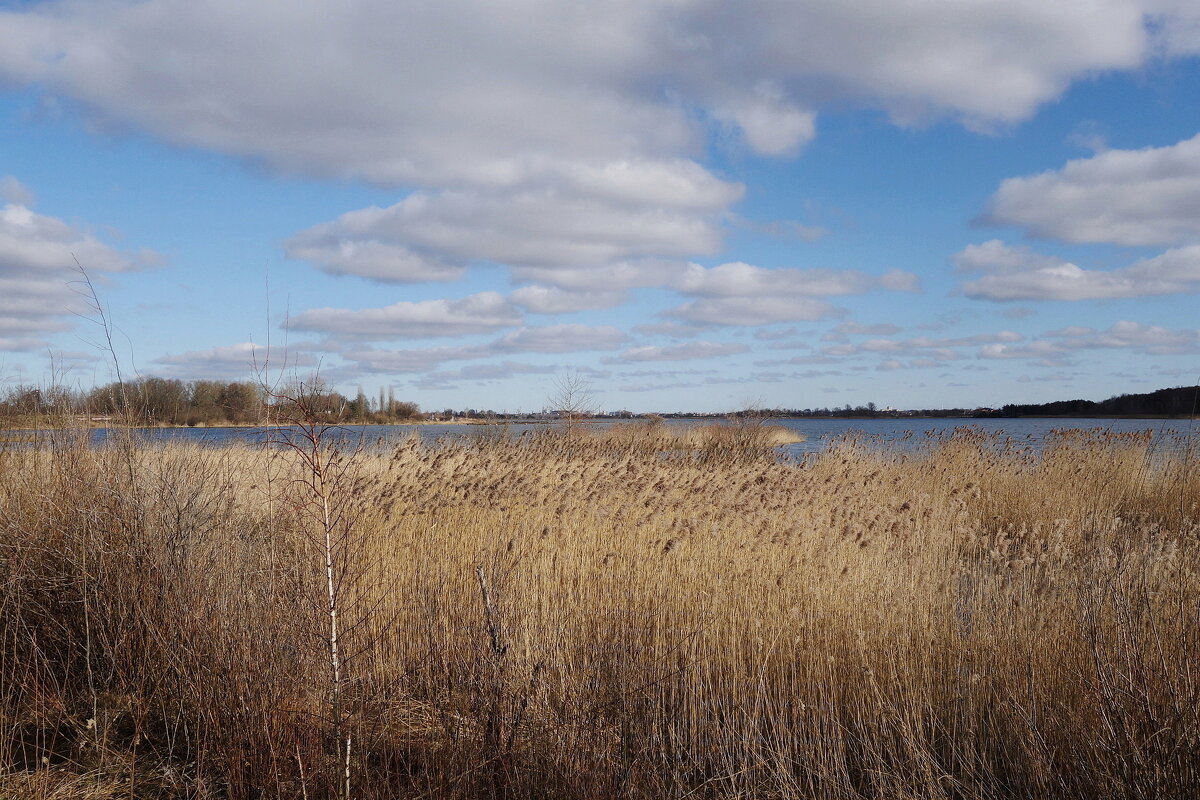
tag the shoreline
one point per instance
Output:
(33, 427)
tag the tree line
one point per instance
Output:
(167, 401)
(1180, 401)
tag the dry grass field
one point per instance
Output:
(601, 616)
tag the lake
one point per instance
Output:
(818, 433)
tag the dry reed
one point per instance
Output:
(593, 617)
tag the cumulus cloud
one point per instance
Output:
(931, 350)
(427, 359)
(607, 277)
(1018, 273)
(552, 300)
(475, 90)
(484, 312)
(19, 343)
(563, 145)
(561, 339)
(858, 329)
(1149, 339)
(752, 310)
(745, 280)
(744, 294)
(435, 234)
(774, 334)
(230, 362)
(1180, 26)
(38, 256)
(657, 387)
(771, 124)
(1123, 335)
(483, 373)
(926, 343)
(540, 339)
(680, 352)
(1038, 349)
(366, 257)
(1130, 197)
(673, 330)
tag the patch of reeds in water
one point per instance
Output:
(587, 617)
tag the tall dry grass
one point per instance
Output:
(565, 616)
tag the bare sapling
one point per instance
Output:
(571, 400)
(322, 504)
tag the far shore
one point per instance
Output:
(20, 425)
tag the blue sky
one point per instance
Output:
(695, 205)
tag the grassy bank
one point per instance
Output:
(584, 616)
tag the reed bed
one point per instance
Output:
(581, 616)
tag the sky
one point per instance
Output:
(690, 204)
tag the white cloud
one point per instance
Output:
(540, 134)
(17, 343)
(1149, 339)
(752, 310)
(371, 258)
(989, 60)
(426, 359)
(231, 362)
(1038, 349)
(745, 280)
(858, 329)
(478, 313)
(771, 124)
(32, 243)
(1180, 26)
(996, 257)
(475, 90)
(937, 345)
(608, 277)
(1069, 331)
(1130, 197)
(931, 351)
(1018, 273)
(552, 300)
(666, 373)
(40, 258)
(657, 387)
(542, 339)
(743, 294)
(680, 352)
(561, 339)
(435, 234)
(673, 330)
(1123, 335)
(484, 373)
(774, 334)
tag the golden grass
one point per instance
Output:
(590, 617)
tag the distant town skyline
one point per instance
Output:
(693, 205)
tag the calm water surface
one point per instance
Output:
(818, 433)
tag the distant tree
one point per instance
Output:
(571, 399)
(406, 410)
(359, 407)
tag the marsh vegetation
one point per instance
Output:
(597, 616)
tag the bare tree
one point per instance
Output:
(571, 399)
